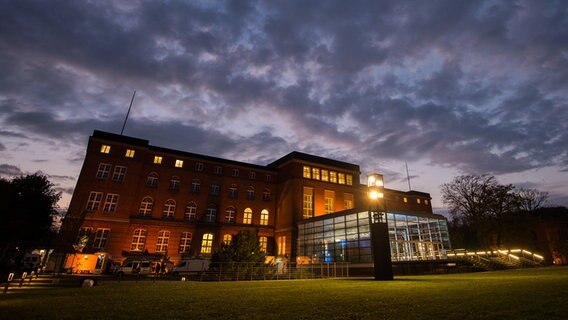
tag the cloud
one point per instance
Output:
(10, 170)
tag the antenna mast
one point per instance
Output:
(125, 119)
(408, 177)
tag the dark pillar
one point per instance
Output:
(381, 251)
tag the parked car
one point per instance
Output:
(191, 266)
(135, 267)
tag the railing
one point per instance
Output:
(498, 259)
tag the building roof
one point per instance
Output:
(295, 155)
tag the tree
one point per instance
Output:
(242, 257)
(531, 200)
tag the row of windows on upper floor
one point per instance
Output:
(199, 166)
(138, 244)
(328, 202)
(327, 175)
(169, 208)
(418, 200)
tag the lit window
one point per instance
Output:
(281, 245)
(146, 207)
(129, 153)
(215, 189)
(349, 179)
(195, 185)
(163, 240)
(307, 172)
(138, 240)
(268, 178)
(250, 193)
(105, 148)
(227, 239)
(233, 191)
(341, 179)
(207, 243)
(316, 173)
(264, 217)
(252, 175)
(199, 167)
(266, 195)
(324, 175)
(218, 170)
(263, 242)
(426, 201)
(308, 203)
(333, 176)
(157, 160)
(418, 200)
(405, 199)
(174, 183)
(190, 211)
(179, 164)
(329, 201)
(119, 173)
(230, 215)
(101, 238)
(348, 201)
(169, 209)
(247, 216)
(185, 242)
(152, 180)
(111, 202)
(103, 171)
(94, 201)
(211, 213)
(235, 172)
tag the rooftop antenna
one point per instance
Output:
(125, 119)
(408, 176)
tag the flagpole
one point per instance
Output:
(125, 119)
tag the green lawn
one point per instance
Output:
(516, 294)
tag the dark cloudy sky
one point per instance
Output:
(451, 87)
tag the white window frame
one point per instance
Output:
(111, 202)
(190, 211)
(169, 209)
(138, 240)
(247, 216)
(185, 242)
(94, 201)
(162, 241)
(119, 173)
(264, 216)
(101, 237)
(103, 172)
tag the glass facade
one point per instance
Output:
(346, 238)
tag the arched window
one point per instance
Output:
(174, 183)
(195, 185)
(146, 207)
(227, 239)
(264, 217)
(138, 240)
(169, 209)
(230, 215)
(211, 213)
(233, 191)
(185, 242)
(190, 211)
(250, 193)
(152, 180)
(207, 243)
(266, 195)
(263, 242)
(163, 240)
(247, 216)
(215, 189)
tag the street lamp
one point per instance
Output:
(380, 242)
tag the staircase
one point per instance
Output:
(40, 281)
(498, 259)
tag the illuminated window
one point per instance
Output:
(101, 238)
(316, 173)
(264, 217)
(426, 201)
(169, 209)
(405, 199)
(341, 179)
(266, 195)
(250, 193)
(233, 191)
(333, 176)
(138, 240)
(281, 245)
(103, 171)
(247, 216)
(207, 243)
(195, 185)
(308, 203)
(329, 201)
(235, 172)
(348, 201)
(157, 160)
(198, 166)
(230, 215)
(218, 170)
(263, 242)
(215, 189)
(163, 240)
(152, 180)
(307, 172)
(252, 175)
(211, 213)
(185, 242)
(129, 153)
(119, 173)
(174, 183)
(94, 201)
(349, 179)
(105, 148)
(179, 164)
(227, 239)
(268, 178)
(190, 211)
(111, 202)
(146, 207)
(324, 175)
(418, 200)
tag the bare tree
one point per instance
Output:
(531, 199)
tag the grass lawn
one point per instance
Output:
(515, 294)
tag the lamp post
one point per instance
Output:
(380, 242)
